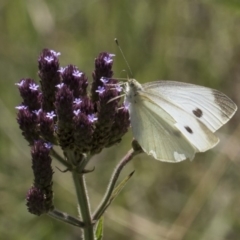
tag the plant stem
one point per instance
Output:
(102, 207)
(84, 205)
(64, 217)
(59, 158)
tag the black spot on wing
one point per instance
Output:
(198, 112)
(189, 129)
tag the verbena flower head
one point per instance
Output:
(40, 195)
(63, 111)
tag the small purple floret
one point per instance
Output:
(55, 53)
(77, 101)
(21, 83)
(60, 85)
(33, 86)
(104, 80)
(50, 115)
(92, 118)
(77, 73)
(37, 112)
(100, 90)
(21, 107)
(108, 59)
(76, 112)
(49, 59)
(48, 145)
(61, 70)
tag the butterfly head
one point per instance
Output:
(132, 89)
(133, 86)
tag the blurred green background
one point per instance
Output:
(185, 40)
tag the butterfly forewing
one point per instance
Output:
(210, 106)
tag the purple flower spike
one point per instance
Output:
(61, 111)
(48, 65)
(40, 196)
(102, 73)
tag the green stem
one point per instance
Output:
(84, 205)
(102, 207)
(83, 163)
(59, 158)
(64, 217)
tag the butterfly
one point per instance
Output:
(172, 121)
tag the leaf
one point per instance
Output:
(99, 229)
(120, 186)
(118, 189)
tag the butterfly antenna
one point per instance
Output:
(120, 49)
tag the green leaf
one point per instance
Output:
(99, 229)
(118, 189)
(120, 186)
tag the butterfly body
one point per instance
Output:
(173, 120)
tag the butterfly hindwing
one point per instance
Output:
(156, 133)
(197, 134)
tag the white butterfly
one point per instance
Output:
(172, 120)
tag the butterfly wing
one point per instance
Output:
(156, 132)
(194, 131)
(209, 106)
(173, 120)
